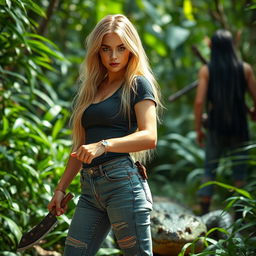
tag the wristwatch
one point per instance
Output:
(105, 144)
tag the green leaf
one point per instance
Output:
(8, 253)
(184, 249)
(52, 112)
(229, 187)
(6, 194)
(42, 38)
(31, 170)
(5, 173)
(222, 230)
(251, 7)
(44, 64)
(103, 10)
(30, 4)
(44, 97)
(17, 24)
(42, 49)
(22, 17)
(19, 122)
(17, 75)
(57, 127)
(151, 10)
(40, 139)
(21, 4)
(9, 3)
(156, 43)
(12, 226)
(188, 10)
(108, 251)
(175, 36)
(6, 125)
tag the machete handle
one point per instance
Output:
(66, 199)
(63, 203)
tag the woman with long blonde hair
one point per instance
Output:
(114, 123)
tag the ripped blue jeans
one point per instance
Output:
(113, 195)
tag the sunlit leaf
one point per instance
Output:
(31, 170)
(6, 194)
(108, 251)
(53, 112)
(156, 43)
(229, 187)
(19, 122)
(102, 8)
(57, 127)
(42, 49)
(188, 9)
(35, 7)
(44, 97)
(175, 36)
(9, 3)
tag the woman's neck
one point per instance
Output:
(114, 77)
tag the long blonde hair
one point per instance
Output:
(92, 72)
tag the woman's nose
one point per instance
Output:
(113, 54)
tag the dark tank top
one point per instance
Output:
(104, 120)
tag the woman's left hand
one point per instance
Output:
(86, 153)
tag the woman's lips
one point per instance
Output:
(113, 64)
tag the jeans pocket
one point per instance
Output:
(146, 190)
(84, 182)
(118, 174)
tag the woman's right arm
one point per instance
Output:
(203, 77)
(72, 168)
(251, 83)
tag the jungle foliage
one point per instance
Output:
(41, 48)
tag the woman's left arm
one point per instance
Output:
(145, 137)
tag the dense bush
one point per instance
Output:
(33, 139)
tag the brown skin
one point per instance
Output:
(111, 51)
(203, 79)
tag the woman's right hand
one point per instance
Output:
(56, 203)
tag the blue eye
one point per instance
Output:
(105, 49)
(121, 48)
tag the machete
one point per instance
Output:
(43, 228)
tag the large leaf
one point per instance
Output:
(228, 187)
(14, 228)
(175, 36)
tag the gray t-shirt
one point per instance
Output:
(104, 120)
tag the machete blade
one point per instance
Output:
(42, 229)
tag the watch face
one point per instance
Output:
(104, 143)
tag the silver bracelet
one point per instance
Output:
(105, 144)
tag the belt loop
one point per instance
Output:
(101, 170)
(132, 162)
(82, 174)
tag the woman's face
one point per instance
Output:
(114, 55)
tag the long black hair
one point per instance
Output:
(226, 104)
